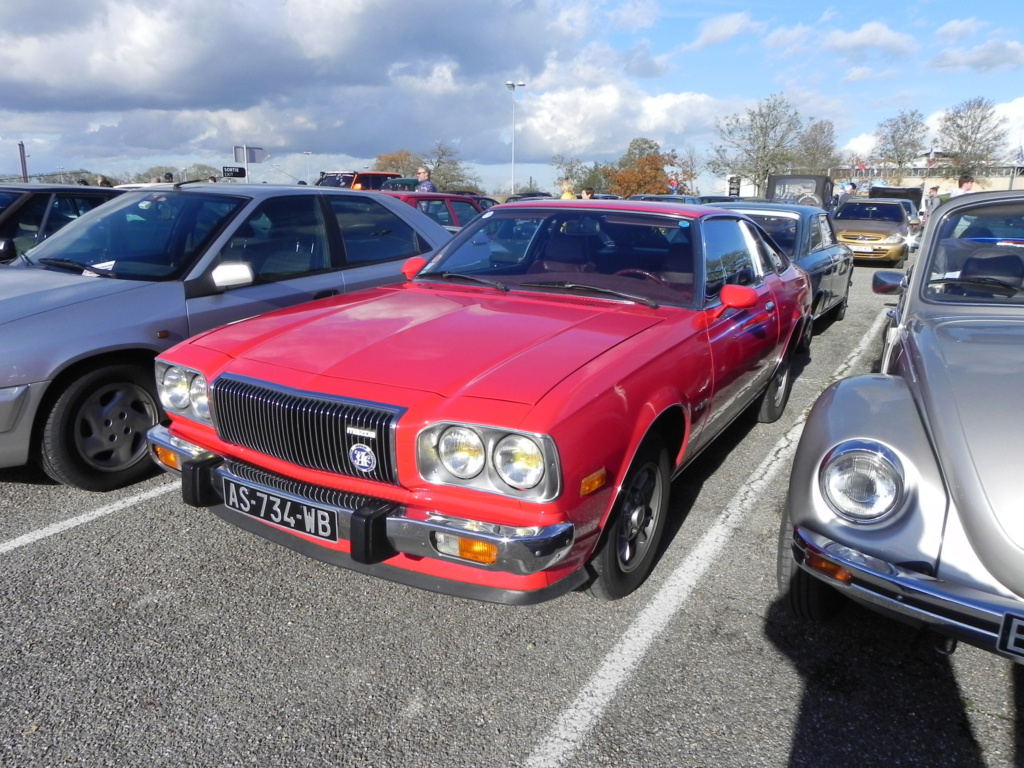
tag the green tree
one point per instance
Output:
(971, 136)
(757, 143)
(899, 141)
(571, 168)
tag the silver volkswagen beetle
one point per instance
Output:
(906, 488)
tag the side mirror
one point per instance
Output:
(888, 281)
(232, 274)
(734, 297)
(412, 266)
(7, 249)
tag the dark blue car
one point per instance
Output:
(808, 237)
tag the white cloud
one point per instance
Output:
(993, 56)
(634, 15)
(722, 28)
(960, 29)
(873, 35)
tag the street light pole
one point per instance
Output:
(307, 154)
(512, 87)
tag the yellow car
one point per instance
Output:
(874, 229)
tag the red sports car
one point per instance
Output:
(504, 425)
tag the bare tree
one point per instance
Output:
(447, 171)
(815, 150)
(899, 141)
(758, 143)
(971, 136)
(571, 168)
(685, 166)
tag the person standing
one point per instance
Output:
(425, 184)
(567, 190)
(965, 184)
(587, 193)
(931, 202)
(849, 190)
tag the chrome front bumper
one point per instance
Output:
(983, 619)
(376, 529)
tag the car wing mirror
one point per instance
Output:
(412, 266)
(888, 282)
(734, 297)
(232, 274)
(7, 249)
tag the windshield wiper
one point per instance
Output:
(472, 278)
(594, 289)
(993, 284)
(76, 266)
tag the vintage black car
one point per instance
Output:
(806, 234)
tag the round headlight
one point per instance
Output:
(200, 397)
(461, 451)
(862, 484)
(894, 238)
(519, 461)
(174, 389)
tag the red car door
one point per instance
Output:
(744, 341)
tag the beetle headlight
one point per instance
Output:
(519, 461)
(862, 482)
(183, 391)
(462, 452)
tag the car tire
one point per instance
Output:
(633, 533)
(94, 436)
(772, 403)
(804, 596)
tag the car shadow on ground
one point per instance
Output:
(30, 474)
(875, 692)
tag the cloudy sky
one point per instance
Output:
(118, 86)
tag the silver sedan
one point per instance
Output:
(83, 314)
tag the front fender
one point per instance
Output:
(875, 408)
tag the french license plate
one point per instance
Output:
(861, 248)
(1011, 635)
(290, 514)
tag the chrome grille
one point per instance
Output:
(305, 428)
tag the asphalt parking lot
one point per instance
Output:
(135, 630)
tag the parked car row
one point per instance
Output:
(500, 414)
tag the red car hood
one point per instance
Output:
(513, 348)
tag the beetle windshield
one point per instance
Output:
(139, 235)
(978, 255)
(635, 256)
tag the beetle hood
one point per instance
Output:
(509, 347)
(975, 408)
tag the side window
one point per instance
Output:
(463, 211)
(437, 210)
(284, 237)
(769, 258)
(828, 234)
(25, 227)
(371, 232)
(727, 255)
(817, 243)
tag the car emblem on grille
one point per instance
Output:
(358, 432)
(362, 457)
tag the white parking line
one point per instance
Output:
(576, 722)
(88, 517)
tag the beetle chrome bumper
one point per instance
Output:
(983, 619)
(376, 529)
